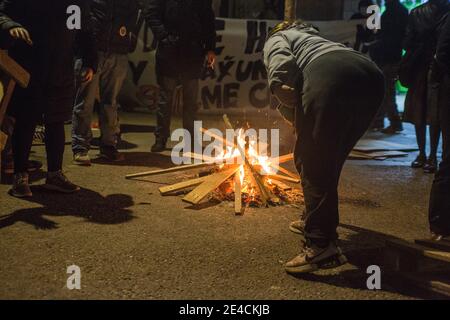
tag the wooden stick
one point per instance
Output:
(266, 194)
(170, 170)
(215, 136)
(282, 186)
(285, 171)
(13, 69)
(283, 159)
(238, 194)
(181, 185)
(211, 183)
(283, 178)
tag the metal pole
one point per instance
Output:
(290, 10)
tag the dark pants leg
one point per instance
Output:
(190, 100)
(54, 145)
(342, 93)
(22, 140)
(389, 105)
(167, 90)
(439, 211)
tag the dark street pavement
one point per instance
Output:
(131, 243)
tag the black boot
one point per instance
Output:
(160, 145)
(430, 165)
(419, 162)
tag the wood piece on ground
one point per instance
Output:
(369, 145)
(238, 209)
(181, 185)
(282, 186)
(170, 170)
(283, 178)
(215, 136)
(210, 184)
(283, 159)
(10, 86)
(285, 171)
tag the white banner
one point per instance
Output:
(239, 82)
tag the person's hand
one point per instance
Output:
(87, 74)
(211, 59)
(20, 33)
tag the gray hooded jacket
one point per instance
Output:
(287, 53)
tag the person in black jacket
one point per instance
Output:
(420, 105)
(439, 212)
(185, 31)
(114, 23)
(40, 40)
(386, 51)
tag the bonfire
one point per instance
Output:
(238, 173)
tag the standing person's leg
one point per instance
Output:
(111, 80)
(167, 88)
(82, 117)
(439, 211)
(190, 107)
(421, 136)
(21, 141)
(432, 163)
(55, 139)
(390, 72)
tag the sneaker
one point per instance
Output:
(419, 162)
(21, 186)
(57, 181)
(111, 154)
(298, 227)
(82, 158)
(159, 146)
(313, 258)
(430, 165)
(393, 129)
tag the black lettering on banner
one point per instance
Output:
(259, 71)
(211, 98)
(225, 67)
(220, 26)
(230, 95)
(243, 75)
(259, 88)
(255, 41)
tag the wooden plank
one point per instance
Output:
(419, 250)
(282, 186)
(283, 178)
(285, 171)
(283, 159)
(6, 99)
(237, 194)
(211, 183)
(13, 69)
(181, 185)
(440, 245)
(170, 170)
(217, 137)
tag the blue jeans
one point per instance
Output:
(107, 82)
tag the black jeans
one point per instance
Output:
(168, 87)
(22, 139)
(439, 211)
(342, 92)
(389, 106)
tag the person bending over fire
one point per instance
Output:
(331, 94)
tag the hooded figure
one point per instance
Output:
(38, 37)
(331, 94)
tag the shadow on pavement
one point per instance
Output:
(86, 204)
(140, 159)
(362, 248)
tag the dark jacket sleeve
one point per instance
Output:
(85, 39)
(153, 13)
(97, 14)
(209, 26)
(9, 10)
(410, 33)
(443, 48)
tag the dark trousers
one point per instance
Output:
(22, 139)
(389, 106)
(168, 86)
(439, 212)
(342, 93)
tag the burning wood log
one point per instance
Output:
(170, 170)
(238, 193)
(210, 184)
